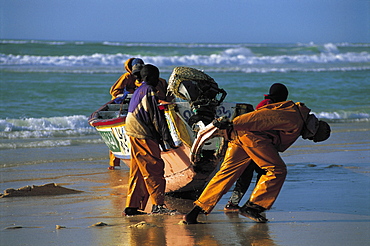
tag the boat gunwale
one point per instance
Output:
(96, 122)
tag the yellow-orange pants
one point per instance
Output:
(146, 174)
(237, 158)
(113, 160)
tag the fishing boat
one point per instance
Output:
(198, 102)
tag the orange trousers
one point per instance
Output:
(238, 156)
(113, 160)
(146, 174)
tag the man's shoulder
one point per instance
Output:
(144, 87)
(127, 75)
(142, 91)
(279, 105)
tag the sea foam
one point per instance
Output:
(45, 127)
(235, 56)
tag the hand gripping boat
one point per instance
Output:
(200, 148)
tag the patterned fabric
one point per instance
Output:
(144, 119)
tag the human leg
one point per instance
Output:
(137, 194)
(114, 162)
(253, 212)
(234, 163)
(151, 165)
(191, 217)
(259, 172)
(269, 184)
(241, 186)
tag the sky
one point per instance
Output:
(189, 21)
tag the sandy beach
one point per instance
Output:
(325, 200)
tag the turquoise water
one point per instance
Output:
(48, 89)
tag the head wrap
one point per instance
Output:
(137, 64)
(137, 61)
(136, 69)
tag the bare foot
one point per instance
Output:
(190, 220)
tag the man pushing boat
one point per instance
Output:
(259, 136)
(147, 128)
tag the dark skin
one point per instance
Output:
(191, 217)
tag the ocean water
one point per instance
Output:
(49, 88)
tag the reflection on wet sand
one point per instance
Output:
(118, 181)
(250, 233)
(216, 229)
(163, 230)
(230, 230)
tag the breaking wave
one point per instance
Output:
(45, 127)
(238, 56)
(246, 58)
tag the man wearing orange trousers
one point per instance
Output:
(257, 136)
(147, 128)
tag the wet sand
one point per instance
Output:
(325, 200)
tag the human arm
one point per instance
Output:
(160, 123)
(125, 81)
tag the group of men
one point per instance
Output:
(255, 140)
